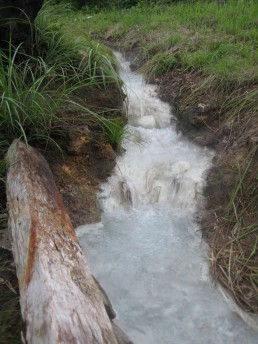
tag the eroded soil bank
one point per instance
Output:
(88, 159)
(234, 170)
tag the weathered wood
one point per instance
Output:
(60, 301)
(105, 299)
(121, 337)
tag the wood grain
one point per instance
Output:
(60, 301)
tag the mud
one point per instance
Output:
(88, 159)
(78, 178)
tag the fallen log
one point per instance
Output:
(60, 301)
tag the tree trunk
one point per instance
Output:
(60, 301)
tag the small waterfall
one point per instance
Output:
(162, 168)
(148, 252)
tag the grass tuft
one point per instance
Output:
(160, 64)
(235, 262)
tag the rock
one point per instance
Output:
(79, 140)
(18, 10)
(203, 107)
(107, 152)
(253, 141)
(198, 121)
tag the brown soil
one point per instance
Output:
(89, 159)
(201, 120)
(78, 178)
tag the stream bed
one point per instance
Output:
(147, 252)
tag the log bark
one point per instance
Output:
(60, 301)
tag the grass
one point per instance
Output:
(235, 262)
(35, 85)
(159, 64)
(218, 42)
(90, 56)
(209, 37)
(115, 131)
(27, 103)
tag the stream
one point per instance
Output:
(147, 252)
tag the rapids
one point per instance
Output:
(147, 252)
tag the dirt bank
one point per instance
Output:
(87, 158)
(231, 182)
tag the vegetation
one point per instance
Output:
(35, 85)
(218, 40)
(234, 261)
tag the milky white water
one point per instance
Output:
(147, 252)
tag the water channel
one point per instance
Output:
(147, 251)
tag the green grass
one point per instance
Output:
(35, 85)
(215, 39)
(159, 64)
(85, 58)
(27, 104)
(114, 131)
(218, 42)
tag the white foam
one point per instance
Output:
(148, 253)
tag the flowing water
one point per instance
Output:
(147, 252)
